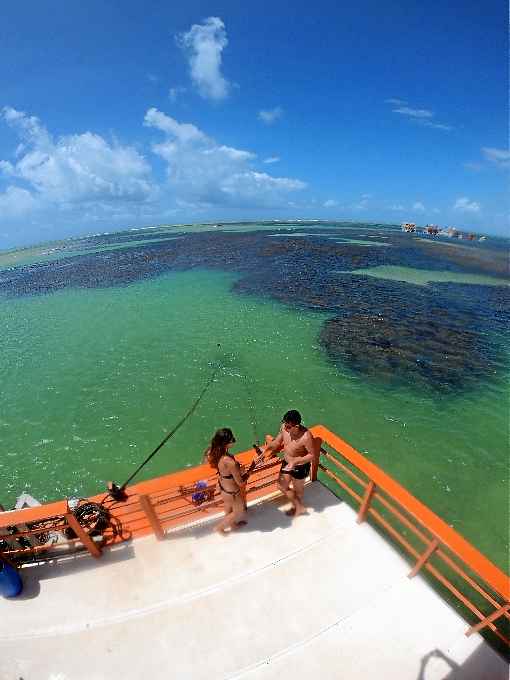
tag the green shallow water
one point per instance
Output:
(93, 380)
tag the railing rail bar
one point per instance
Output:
(394, 532)
(489, 619)
(490, 574)
(33, 532)
(467, 603)
(451, 563)
(341, 483)
(344, 467)
(402, 518)
(44, 547)
(431, 568)
(440, 553)
(170, 518)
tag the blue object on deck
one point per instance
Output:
(200, 496)
(10, 581)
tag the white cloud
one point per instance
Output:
(184, 132)
(418, 206)
(270, 116)
(361, 205)
(73, 169)
(271, 159)
(255, 184)
(398, 207)
(330, 203)
(463, 204)
(396, 102)
(202, 172)
(175, 92)
(414, 113)
(203, 44)
(16, 202)
(500, 157)
(29, 128)
(438, 126)
(421, 116)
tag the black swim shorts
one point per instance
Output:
(298, 472)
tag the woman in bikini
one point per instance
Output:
(230, 479)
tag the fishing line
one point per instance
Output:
(118, 493)
(251, 407)
(247, 386)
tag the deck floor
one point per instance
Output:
(316, 595)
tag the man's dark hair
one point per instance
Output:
(293, 417)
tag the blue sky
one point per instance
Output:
(116, 114)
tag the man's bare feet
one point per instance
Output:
(300, 510)
(291, 512)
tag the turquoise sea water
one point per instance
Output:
(93, 379)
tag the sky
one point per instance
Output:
(117, 114)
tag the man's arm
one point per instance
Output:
(275, 445)
(259, 458)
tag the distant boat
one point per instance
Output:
(452, 233)
(408, 227)
(432, 229)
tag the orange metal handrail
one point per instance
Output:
(151, 507)
(440, 533)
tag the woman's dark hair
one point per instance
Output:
(218, 445)
(293, 417)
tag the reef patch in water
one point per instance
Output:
(444, 336)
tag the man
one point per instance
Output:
(298, 451)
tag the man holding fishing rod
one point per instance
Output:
(296, 441)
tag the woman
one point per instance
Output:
(230, 479)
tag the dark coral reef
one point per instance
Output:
(442, 336)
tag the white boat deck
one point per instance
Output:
(318, 596)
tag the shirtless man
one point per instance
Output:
(298, 452)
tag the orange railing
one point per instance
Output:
(51, 531)
(442, 548)
(155, 506)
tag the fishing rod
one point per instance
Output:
(118, 493)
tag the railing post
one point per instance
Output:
(433, 545)
(80, 532)
(148, 508)
(369, 492)
(495, 615)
